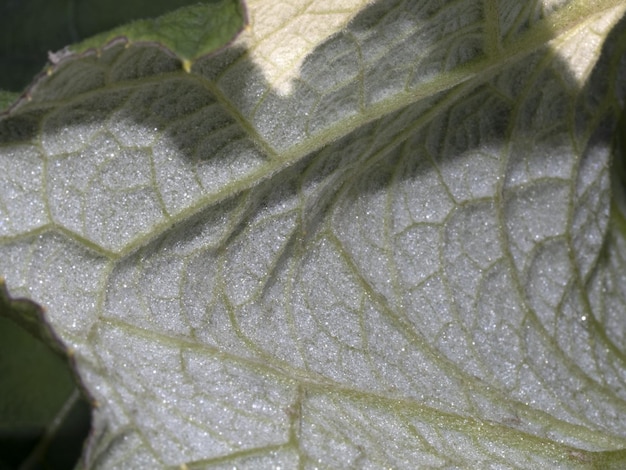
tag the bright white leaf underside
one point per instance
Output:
(395, 260)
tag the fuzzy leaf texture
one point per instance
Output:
(362, 235)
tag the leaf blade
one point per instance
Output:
(435, 239)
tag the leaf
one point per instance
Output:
(370, 236)
(40, 410)
(189, 32)
(29, 29)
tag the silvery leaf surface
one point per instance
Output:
(362, 235)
